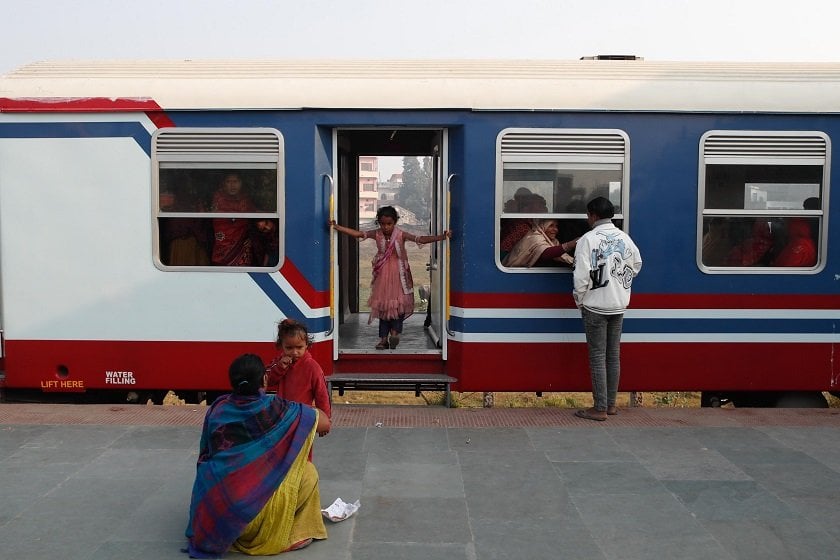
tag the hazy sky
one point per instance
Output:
(766, 30)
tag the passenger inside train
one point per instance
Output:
(540, 247)
(515, 229)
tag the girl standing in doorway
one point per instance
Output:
(392, 288)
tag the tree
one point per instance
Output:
(416, 186)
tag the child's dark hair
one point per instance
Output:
(290, 327)
(246, 374)
(388, 211)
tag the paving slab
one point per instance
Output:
(99, 483)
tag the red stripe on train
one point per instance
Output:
(160, 119)
(689, 366)
(314, 298)
(77, 105)
(73, 365)
(62, 365)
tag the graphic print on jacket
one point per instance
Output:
(611, 250)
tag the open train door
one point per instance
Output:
(438, 303)
(362, 184)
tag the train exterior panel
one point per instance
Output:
(89, 301)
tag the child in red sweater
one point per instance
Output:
(294, 374)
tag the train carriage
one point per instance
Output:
(716, 170)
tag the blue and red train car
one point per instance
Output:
(716, 170)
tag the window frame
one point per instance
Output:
(238, 157)
(768, 157)
(545, 156)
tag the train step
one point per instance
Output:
(389, 362)
(391, 382)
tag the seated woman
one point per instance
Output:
(755, 246)
(540, 247)
(255, 491)
(800, 249)
(514, 229)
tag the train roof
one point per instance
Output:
(491, 85)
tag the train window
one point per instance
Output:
(544, 179)
(763, 197)
(217, 198)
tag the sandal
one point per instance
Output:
(298, 545)
(382, 345)
(588, 415)
(393, 340)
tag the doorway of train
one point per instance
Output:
(405, 168)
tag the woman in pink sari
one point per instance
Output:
(392, 288)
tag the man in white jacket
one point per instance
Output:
(606, 261)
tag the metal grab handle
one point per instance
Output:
(449, 181)
(330, 210)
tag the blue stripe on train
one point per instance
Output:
(286, 305)
(558, 325)
(80, 130)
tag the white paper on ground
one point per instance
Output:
(340, 510)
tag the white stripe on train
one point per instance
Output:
(529, 313)
(664, 338)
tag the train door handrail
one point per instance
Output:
(449, 180)
(332, 250)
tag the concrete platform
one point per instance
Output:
(99, 482)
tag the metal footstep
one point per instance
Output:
(391, 382)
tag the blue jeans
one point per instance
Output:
(388, 325)
(603, 340)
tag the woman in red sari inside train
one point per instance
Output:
(232, 243)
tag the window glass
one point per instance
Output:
(547, 178)
(193, 190)
(760, 242)
(564, 188)
(761, 187)
(762, 200)
(219, 208)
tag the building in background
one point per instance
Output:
(388, 189)
(368, 188)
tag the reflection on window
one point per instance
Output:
(548, 177)
(218, 204)
(558, 188)
(761, 201)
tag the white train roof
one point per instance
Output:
(493, 85)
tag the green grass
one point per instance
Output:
(512, 399)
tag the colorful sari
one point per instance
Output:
(252, 460)
(392, 286)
